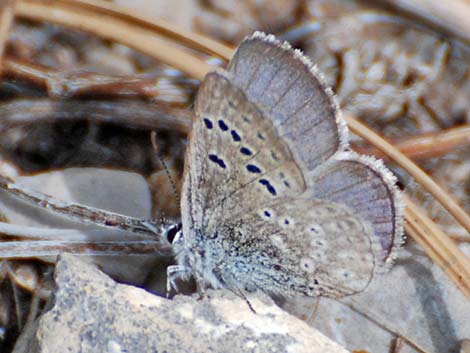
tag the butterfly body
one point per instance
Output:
(273, 199)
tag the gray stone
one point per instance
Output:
(112, 190)
(415, 300)
(92, 313)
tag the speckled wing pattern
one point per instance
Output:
(272, 193)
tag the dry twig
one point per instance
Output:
(65, 84)
(6, 21)
(138, 114)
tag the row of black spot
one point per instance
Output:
(244, 150)
(268, 214)
(223, 126)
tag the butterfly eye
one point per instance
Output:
(172, 232)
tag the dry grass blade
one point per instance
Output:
(452, 15)
(39, 233)
(40, 248)
(442, 250)
(115, 29)
(34, 73)
(421, 177)
(428, 145)
(189, 38)
(6, 20)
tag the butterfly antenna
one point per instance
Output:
(153, 138)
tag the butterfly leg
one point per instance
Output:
(200, 286)
(172, 274)
(82, 213)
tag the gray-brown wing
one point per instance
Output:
(288, 89)
(297, 246)
(236, 159)
(269, 129)
(368, 188)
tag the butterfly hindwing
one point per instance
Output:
(366, 186)
(298, 246)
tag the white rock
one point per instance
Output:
(92, 313)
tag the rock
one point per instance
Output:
(92, 313)
(415, 300)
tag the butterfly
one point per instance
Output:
(273, 198)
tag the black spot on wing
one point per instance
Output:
(235, 136)
(253, 168)
(222, 125)
(208, 123)
(268, 185)
(219, 161)
(246, 151)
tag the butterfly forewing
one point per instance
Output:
(241, 162)
(287, 88)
